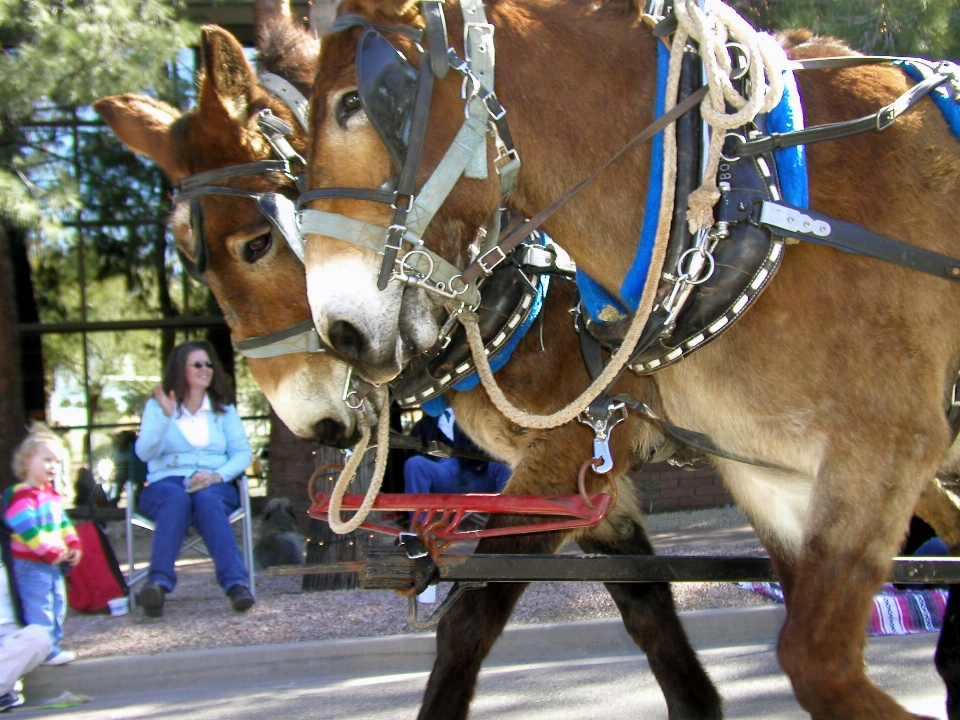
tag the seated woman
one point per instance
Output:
(194, 445)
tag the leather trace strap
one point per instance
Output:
(480, 266)
(878, 121)
(820, 229)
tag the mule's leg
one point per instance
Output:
(471, 626)
(842, 561)
(938, 507)
(650, 618)
(947, 657)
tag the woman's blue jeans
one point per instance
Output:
(173, 509)
(43, 595)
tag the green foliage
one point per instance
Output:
(71, 52)
(926, 28)
(65, 53)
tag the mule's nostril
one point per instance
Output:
(347, 340)
(330, 432)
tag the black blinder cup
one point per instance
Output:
(387, 83)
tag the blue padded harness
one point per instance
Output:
(600, 305)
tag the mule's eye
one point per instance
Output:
(257, 248)
(349, 106)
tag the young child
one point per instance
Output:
(42, 536)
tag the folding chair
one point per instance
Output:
(241, 515)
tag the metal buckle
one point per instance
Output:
(394, 231)
(412, 553)
(495, 110)
(886, 117)
(488, 270)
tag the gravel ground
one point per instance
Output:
(197, 615)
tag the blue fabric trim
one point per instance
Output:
(632, 288)
(500, 358)
(948, 106)
(791, 162)
(594, 297)
(434, 407)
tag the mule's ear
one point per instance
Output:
(143, 125)
(386, 12)
(228, 80)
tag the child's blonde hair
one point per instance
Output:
(39, 435)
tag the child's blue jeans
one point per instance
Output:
(43, 595)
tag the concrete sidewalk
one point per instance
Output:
(335, 659)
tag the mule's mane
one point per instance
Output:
(289, 50)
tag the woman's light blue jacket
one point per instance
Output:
(167, 453)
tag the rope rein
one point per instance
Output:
(350, 469)
(766, 59)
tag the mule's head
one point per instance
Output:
(254, 273)
(362, 108)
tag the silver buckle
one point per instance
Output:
(488, 270)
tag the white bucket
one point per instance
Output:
(119, 606)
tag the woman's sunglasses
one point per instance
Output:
(202, 364)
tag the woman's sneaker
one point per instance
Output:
(150, 599)
(61, 658)
(240, 597)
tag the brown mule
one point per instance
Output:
(268, 294)
(841, 371)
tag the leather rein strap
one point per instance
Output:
(513, 238)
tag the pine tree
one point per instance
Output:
(925, 28)
(59, 54)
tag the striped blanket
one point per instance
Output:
(895, 612)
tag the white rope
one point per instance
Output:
(350, 469)
(767, 62)
(622, 356)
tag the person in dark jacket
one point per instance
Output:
(425, 474)
(22, 647)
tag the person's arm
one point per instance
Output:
(153, 430)
(238, 449)
(25, 518)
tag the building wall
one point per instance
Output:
(665, 488)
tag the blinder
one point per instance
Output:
(387, 84)
(278, 209)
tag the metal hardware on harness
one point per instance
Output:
(700, 266)
(431, 621)
(350, 391)
(481, 260)
(445, 336)
(602, 423)
(409, 275)
(788, 219)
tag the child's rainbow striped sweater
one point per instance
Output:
(41, 528)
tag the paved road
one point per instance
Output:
(561, 672)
